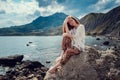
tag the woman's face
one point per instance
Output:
(72, 22)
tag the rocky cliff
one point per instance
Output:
(103, 24)
(90, 65)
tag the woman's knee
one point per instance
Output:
(66, 43)
(66, 35)
(68, 51)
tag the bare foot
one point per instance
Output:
(52, 70)
(59, 68)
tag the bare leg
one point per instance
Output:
(62, 53)
(66, 43)
(54, 68)
(68, 53)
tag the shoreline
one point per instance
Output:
(18, 69)
(26, 69)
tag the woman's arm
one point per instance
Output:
(65, 26)
(66, 31)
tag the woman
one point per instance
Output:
(72, 43)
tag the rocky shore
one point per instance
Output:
(92, 64)
(22, 70)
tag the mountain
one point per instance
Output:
(50, 25)
(103, 23)
(107, 24)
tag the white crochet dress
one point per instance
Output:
(78, 37)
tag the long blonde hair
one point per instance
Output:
(69, 26)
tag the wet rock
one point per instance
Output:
(27, 45)
(48, 61)
(11, 60)
(30, 42)
(97, 38)
(35, 78)
(2, 77)
(31, 76)
(31, 64)
(25, 70)
(106, 43)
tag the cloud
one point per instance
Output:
(4, 0)
(19, 8)
(104, 5)
(37, 13)
(117, 2)
(50, 9)
(2, 12)
(43, 3)
(19, 12)
(61, 1)
(100, 5)
(22, 12)
(7, 20)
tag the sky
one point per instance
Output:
(20, 12)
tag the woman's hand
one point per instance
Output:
(65, 34)
(65, 25)
(66, 19)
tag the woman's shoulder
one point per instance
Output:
(80, 26)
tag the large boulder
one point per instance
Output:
(11, 60)
(91, 64)
(77, 68)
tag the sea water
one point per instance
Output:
(39, 48)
